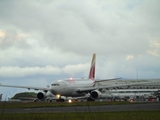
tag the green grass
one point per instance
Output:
(59, 104)
(121, 115)
(130, 115)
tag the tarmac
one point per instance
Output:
(106, 108)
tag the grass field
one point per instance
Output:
(59, 104)
(121, 115)
(131, 115)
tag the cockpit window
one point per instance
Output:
(55, 84)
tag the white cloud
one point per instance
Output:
(15, 71)
(155, 45)
(2, 33)
(154, 53)
(129, 57)
(73, 69)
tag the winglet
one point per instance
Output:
(92, 69)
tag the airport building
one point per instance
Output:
(154, 85)
(143, 90)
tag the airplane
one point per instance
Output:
(76, 87)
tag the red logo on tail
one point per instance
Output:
(92, 69)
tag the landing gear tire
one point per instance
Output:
(90, 99)
(35, 100)
(60, 100)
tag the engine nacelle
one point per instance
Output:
(41, 95)
(95, 94)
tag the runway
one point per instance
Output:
(106, 108)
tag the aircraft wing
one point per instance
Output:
(107, 80)
(27, 87)
(112, 86)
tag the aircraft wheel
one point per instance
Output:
(60, 100)
(90, 99)
(35, 100)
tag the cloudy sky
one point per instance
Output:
(45, 40)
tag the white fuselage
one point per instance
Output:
(69, 87)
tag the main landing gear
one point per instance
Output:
(60, 99)
(90, 99)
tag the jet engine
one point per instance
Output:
(95, 94)
(41, 95)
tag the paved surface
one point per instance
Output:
(148, 106)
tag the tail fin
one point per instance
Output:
(92, 69)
